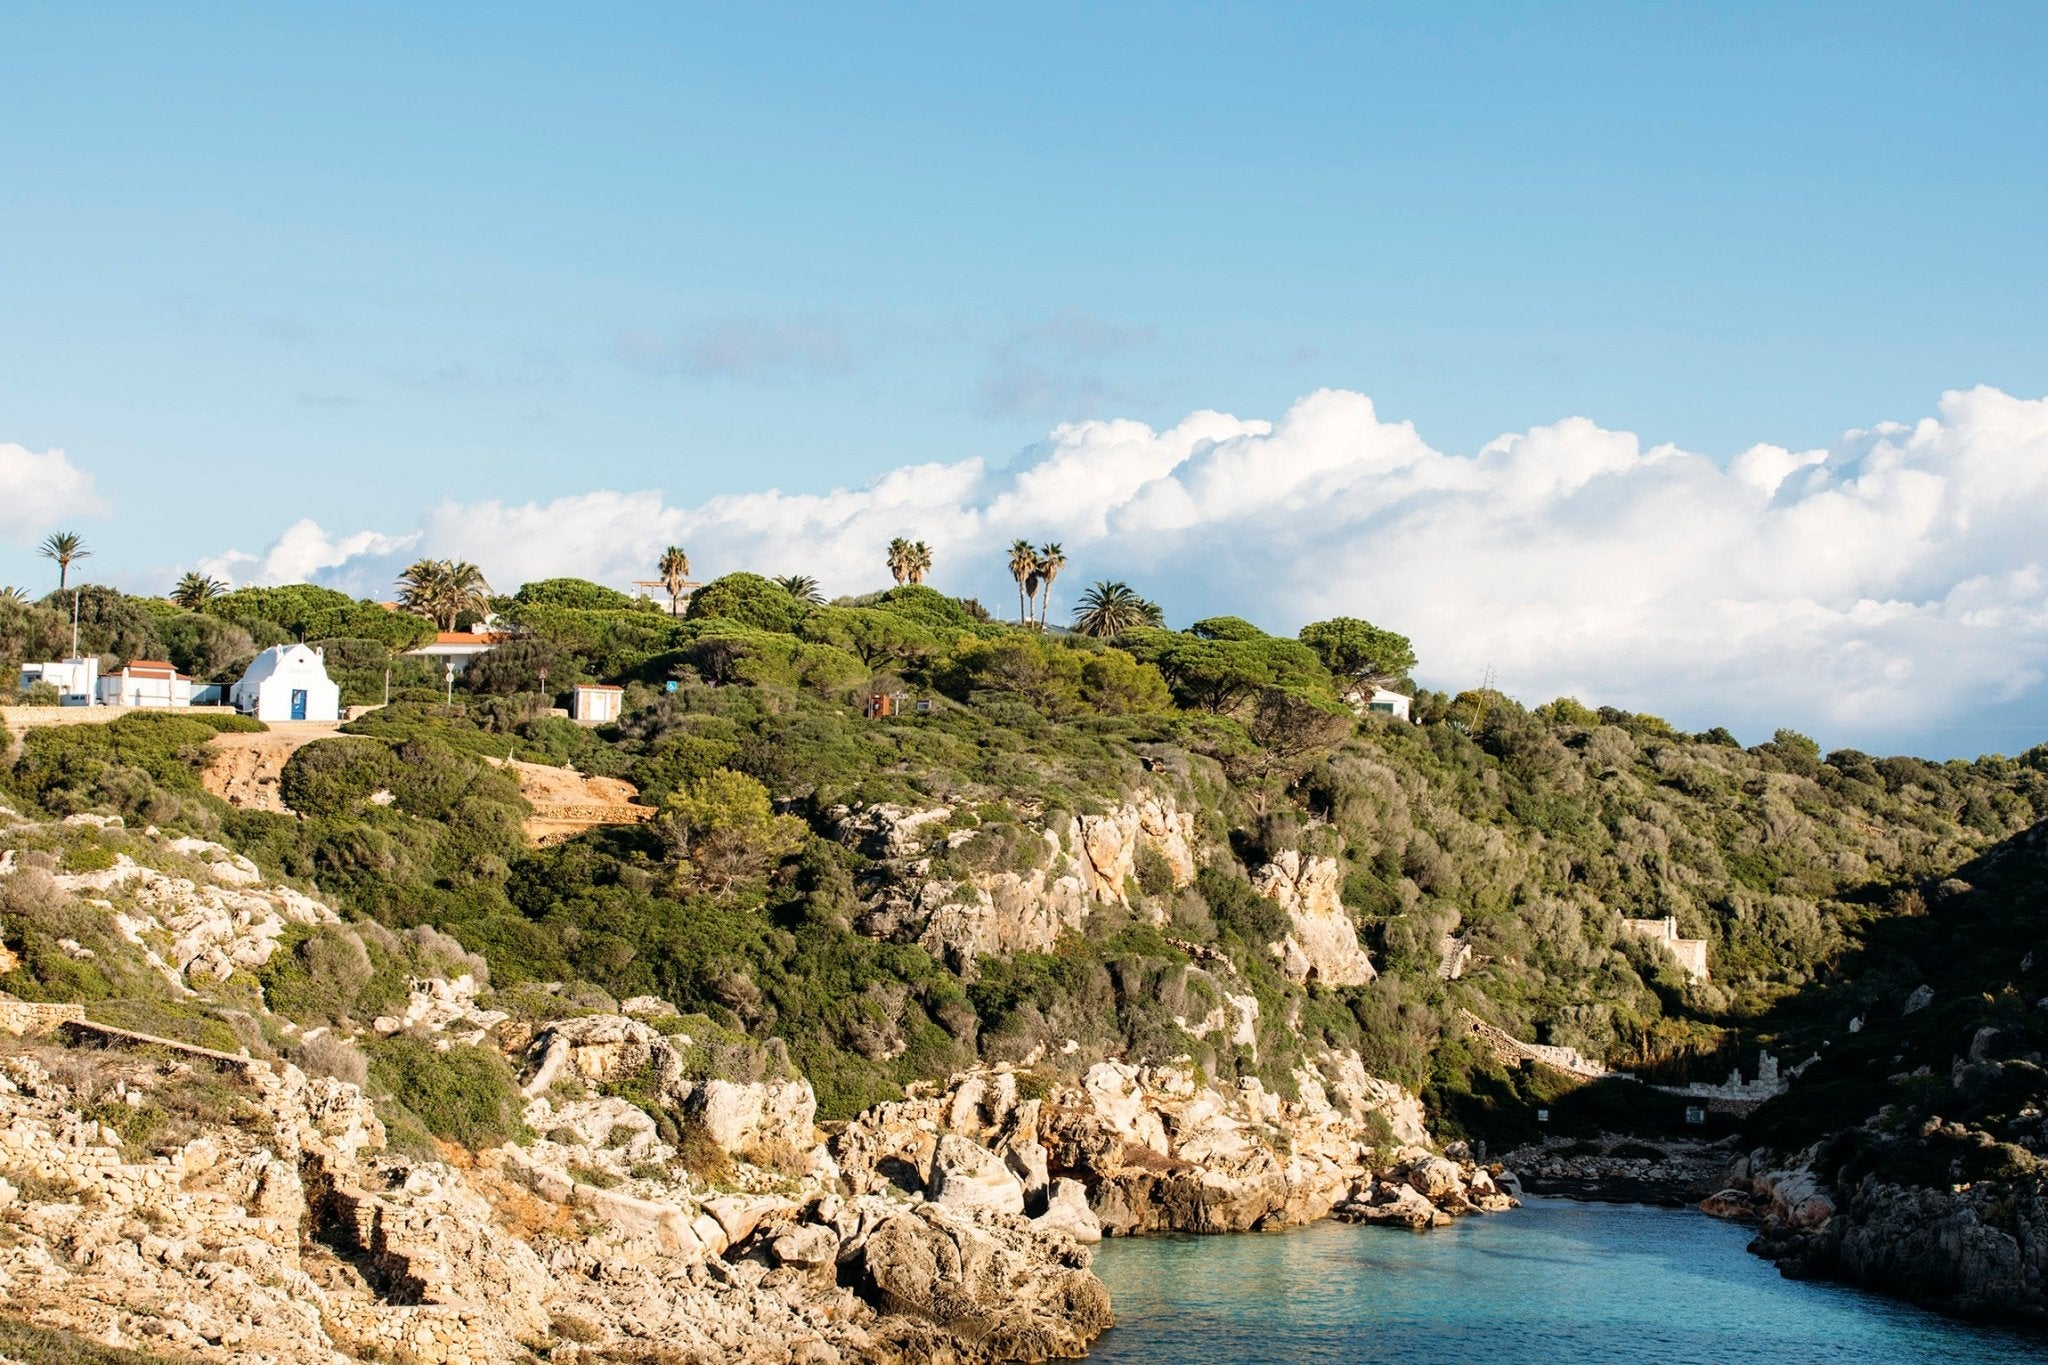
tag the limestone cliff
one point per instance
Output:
(959, 913)
(277, 1229)
(1136, 1149)
(1322, 944)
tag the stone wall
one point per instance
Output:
(24, 1019)
(1511, 1049)
(1690, 952)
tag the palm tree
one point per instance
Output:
(1109, 609)
(420, 588)
(468, 592)
(674, 569)
(443, 589)
(65, 547)
(899, 560)
(195, 590)
(1023, 566)
(16, 595)
(1051, 559)
(920, 562)
(802, 587)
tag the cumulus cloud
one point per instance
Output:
(38, 491)
(1893, 582)
(304, 553)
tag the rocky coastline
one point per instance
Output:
(1973, 1248)
(1620, 1170)
(279, 1225)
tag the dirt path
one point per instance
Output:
(245, 769)
(566, 803)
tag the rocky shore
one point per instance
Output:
(1619, 1170)
(281, 1229)
(267, 1220)
(1978, 1248)
(1127, 1150)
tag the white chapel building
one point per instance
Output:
(288, 682)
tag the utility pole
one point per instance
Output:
(74, 625)
(1485, 699)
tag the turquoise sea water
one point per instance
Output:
(1555, 1283)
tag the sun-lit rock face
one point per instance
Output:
(279, 1230)
(1322, 943)
(208, 916)
(1086, 861)
(1124, 1149)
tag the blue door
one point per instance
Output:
(298, 703)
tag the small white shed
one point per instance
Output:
(288, 682)
(146, 682)
(1388, 703)
(595, 703)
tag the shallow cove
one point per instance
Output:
(1556, 1282)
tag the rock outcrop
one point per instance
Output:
(776, 1109)
(283, 1232)
(1087, 861)
(1322, 942)
(220, 918)
(1975, 1247)
(1128, 1150)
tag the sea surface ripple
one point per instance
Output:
(1556, 1283)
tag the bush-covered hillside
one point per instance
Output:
(1524, 834)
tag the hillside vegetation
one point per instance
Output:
(1527, 834)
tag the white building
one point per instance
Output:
(146, 682)
(457, 648)
(595, 703)
(288, 682)
(1385, 703)
(77, 680)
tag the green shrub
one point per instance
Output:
(751, 600)
(464, 1094)
(335, 775)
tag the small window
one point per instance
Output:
(1385, 708)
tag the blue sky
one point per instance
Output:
(267, 262)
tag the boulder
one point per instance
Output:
(984, 1283)
(1394, 1205)
(807, 1246)
(965, 1174)
(1066, 1210)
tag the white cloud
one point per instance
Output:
(304, 553)
(39, 491)
(1894, 582)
